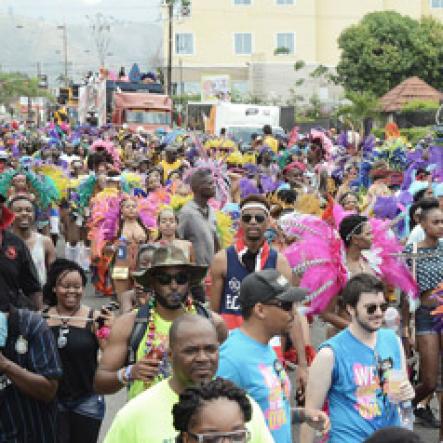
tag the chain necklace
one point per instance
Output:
(62, 339)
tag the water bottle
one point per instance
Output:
(122, 250)
(406, 411)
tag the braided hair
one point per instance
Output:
(192, 400)
(57, 269)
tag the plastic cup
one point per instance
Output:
(395, 379)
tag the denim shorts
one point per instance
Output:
(424, 321)
(92, 406)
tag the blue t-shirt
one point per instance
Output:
(255, 367)
(358, 405)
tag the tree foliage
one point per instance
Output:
(15, 84)
(385, 48)
(359, 107)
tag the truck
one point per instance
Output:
(133, 104)
(239, 120)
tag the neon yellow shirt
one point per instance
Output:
(271, 142)
(148, 419)
(161, 338)
(169, 167)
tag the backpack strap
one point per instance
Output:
(138, 331)
(202, 310)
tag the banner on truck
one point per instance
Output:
(215, 88)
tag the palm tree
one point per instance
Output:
(360, 106)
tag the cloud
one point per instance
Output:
(91, 2)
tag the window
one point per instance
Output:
(286, 41)
(243, 43)
(436, 3)
(242, 2)
(285, 2)
(184, 44)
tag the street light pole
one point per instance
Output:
(169, 69)
(65, 50)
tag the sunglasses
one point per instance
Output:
(283, 305)
(241, 436)
(166, 279)
(370, 309)
(259, 218)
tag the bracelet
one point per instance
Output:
(120, 376)
(127, 375)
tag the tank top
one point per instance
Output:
(38, 257)
(357, 404)
(79, 361)
(235, 273)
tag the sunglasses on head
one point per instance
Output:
(370, 309)
(247, 218)
(180, 278)
(283, 305)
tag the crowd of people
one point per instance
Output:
(215, 264)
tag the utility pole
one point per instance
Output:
(169, 68)
(65, 50)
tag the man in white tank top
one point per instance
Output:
(41, 247)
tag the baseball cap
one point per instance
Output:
(266, 285)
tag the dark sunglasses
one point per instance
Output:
(247, 218)
(283, 305)
(166, 279)
(370, 309)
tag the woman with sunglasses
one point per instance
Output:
(427, 268)
(212, 413)
(138, 295)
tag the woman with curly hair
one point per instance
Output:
(216, 411)
(79, 332)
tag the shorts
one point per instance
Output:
(424, 322)
(92, 406)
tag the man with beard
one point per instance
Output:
(352, 369)
(145, 332)
(250, 253)
(197, 219)
(246, 358)
(193, 351)
(41, 247)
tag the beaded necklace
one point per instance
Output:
(159, 352)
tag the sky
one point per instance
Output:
(74, 11)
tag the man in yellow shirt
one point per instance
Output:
(269, 139)
(171, 162)
(193, 351)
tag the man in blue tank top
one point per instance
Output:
(352, 369)
(249, 254)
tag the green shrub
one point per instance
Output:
(420, 105)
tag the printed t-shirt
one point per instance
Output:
(148, 418)
(255, 367)
(358, 405)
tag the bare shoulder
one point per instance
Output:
(325, 357)
(123, 325)
(220, 326)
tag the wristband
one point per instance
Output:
(127, 375)
(120, 377)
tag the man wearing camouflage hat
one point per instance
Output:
(145, 332)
